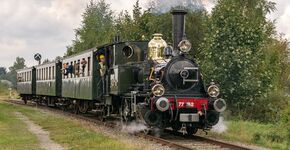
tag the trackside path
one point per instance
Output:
(43, 136)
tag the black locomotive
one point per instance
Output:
(149, 82)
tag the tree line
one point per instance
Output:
(235, 46)
(11, 75)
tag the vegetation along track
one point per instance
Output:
(169, 138)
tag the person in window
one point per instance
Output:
(77, 68)
(83, 63)
(103, 69)
(64, 68)
(70, 69)
(19, 79)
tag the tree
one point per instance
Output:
(2, 72)
(18, 64)
(233, 51)
(159, 7)
(46, 61)
(97, 27)
(137, 11)
(58, 58)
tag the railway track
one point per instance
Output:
(169, 138)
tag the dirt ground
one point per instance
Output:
(43, 136)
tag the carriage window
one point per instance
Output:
(38, 74)
(53, 72)
(42, 74)
(77, 68)
(74, 69)
(49, 73)
(41, 78)
(45, 73)
(70, 68)
(83, 64)
(89, 66)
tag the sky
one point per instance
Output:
(28, 27)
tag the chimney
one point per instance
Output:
(178, 26)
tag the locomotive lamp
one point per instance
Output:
(213, 90)
(184, 46)
(220, 105)
(162, 104)
(158, 90)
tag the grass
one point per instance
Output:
(13, 132)
(274, 136)
(71, 134)
(5, 93)
(4, 90)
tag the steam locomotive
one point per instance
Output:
(149, 82)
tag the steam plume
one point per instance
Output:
(220, 127)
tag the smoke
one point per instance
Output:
(163, 6)
(220, 127)
(134, 127)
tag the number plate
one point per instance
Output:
(189, 118)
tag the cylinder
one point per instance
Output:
(178, 26)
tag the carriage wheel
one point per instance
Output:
(76, 107)
(83, 107)
(24, 100)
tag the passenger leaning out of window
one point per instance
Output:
(103, 69)
(83, 63)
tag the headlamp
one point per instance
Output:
(184, 46)
(213, 91)
(158, 90)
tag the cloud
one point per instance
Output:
(32, 26)
(41, 26)
(47, 26)
(282, 17)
